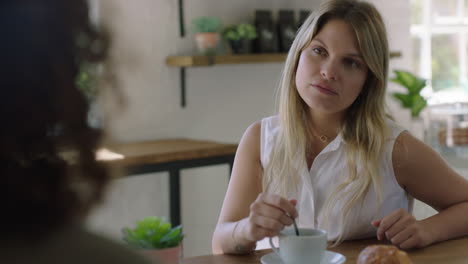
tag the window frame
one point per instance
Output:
(428, 28)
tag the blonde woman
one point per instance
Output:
(332, 157)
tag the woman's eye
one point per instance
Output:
(318, 51)
(352, 63)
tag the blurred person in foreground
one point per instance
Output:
(46, 197)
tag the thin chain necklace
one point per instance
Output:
(309, 152)
(323, 138)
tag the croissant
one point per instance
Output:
(380, 254)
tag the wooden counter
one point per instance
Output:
(171, 155)
(448, 252)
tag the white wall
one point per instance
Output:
(221, 102)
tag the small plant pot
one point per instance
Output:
(207, 43)
(167, 255)
(241, 46)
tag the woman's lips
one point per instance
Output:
(324, 90)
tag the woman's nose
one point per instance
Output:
(329, 71)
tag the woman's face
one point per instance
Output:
(331, 71)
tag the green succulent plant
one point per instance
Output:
(412, 99)
(206, 24)
(153, 233)
(240, 31)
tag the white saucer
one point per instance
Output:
(329, 257)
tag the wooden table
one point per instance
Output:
(448, 252)
(170, 155)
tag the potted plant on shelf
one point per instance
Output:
(206, 34)
(157, 238)
(412, 100)
(240, 37)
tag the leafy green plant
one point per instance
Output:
(153, 233)
(412, 99)
(206, 24)
(85, 81)
(240, 31)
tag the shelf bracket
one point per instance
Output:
(181, 18)
(183, 83)
(182, 69)
(182, 87)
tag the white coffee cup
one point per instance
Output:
(308, 247)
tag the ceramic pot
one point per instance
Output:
(166, 255)
(241, 46)
(207, 42)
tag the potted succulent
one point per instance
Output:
(157, 238)
(206, 34)
(412, 99)
(239, 37)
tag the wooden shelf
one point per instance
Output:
(184, 62)
(197, 61)
(191, 61)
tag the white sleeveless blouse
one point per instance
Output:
(328, 170)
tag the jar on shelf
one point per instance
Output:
(267, 37)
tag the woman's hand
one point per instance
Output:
(269, 214)
(403, 230)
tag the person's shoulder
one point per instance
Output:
(255, 130)
(394, 129)
(252, 134)
(270, 122)
(406, 142)
(409, 151)
(71, 245)
(93, 248)
(107, 249)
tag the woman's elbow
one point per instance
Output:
(216, 243)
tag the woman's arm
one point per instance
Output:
(247, 215)
(427, 177)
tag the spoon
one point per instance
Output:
(295, 226)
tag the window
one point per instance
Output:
(439, 38)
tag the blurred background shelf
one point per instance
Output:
(193, 61)
(199, 60)
(184, 62)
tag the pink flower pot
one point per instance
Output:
(165, 256)
(207, 42)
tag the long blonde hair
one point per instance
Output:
(364, 129)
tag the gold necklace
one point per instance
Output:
(323, 138)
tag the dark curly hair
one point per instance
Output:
(45, 116)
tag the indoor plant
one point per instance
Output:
(206, 34)
(156, 237)
(239, 37)
(86, 81)
(413, 100)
